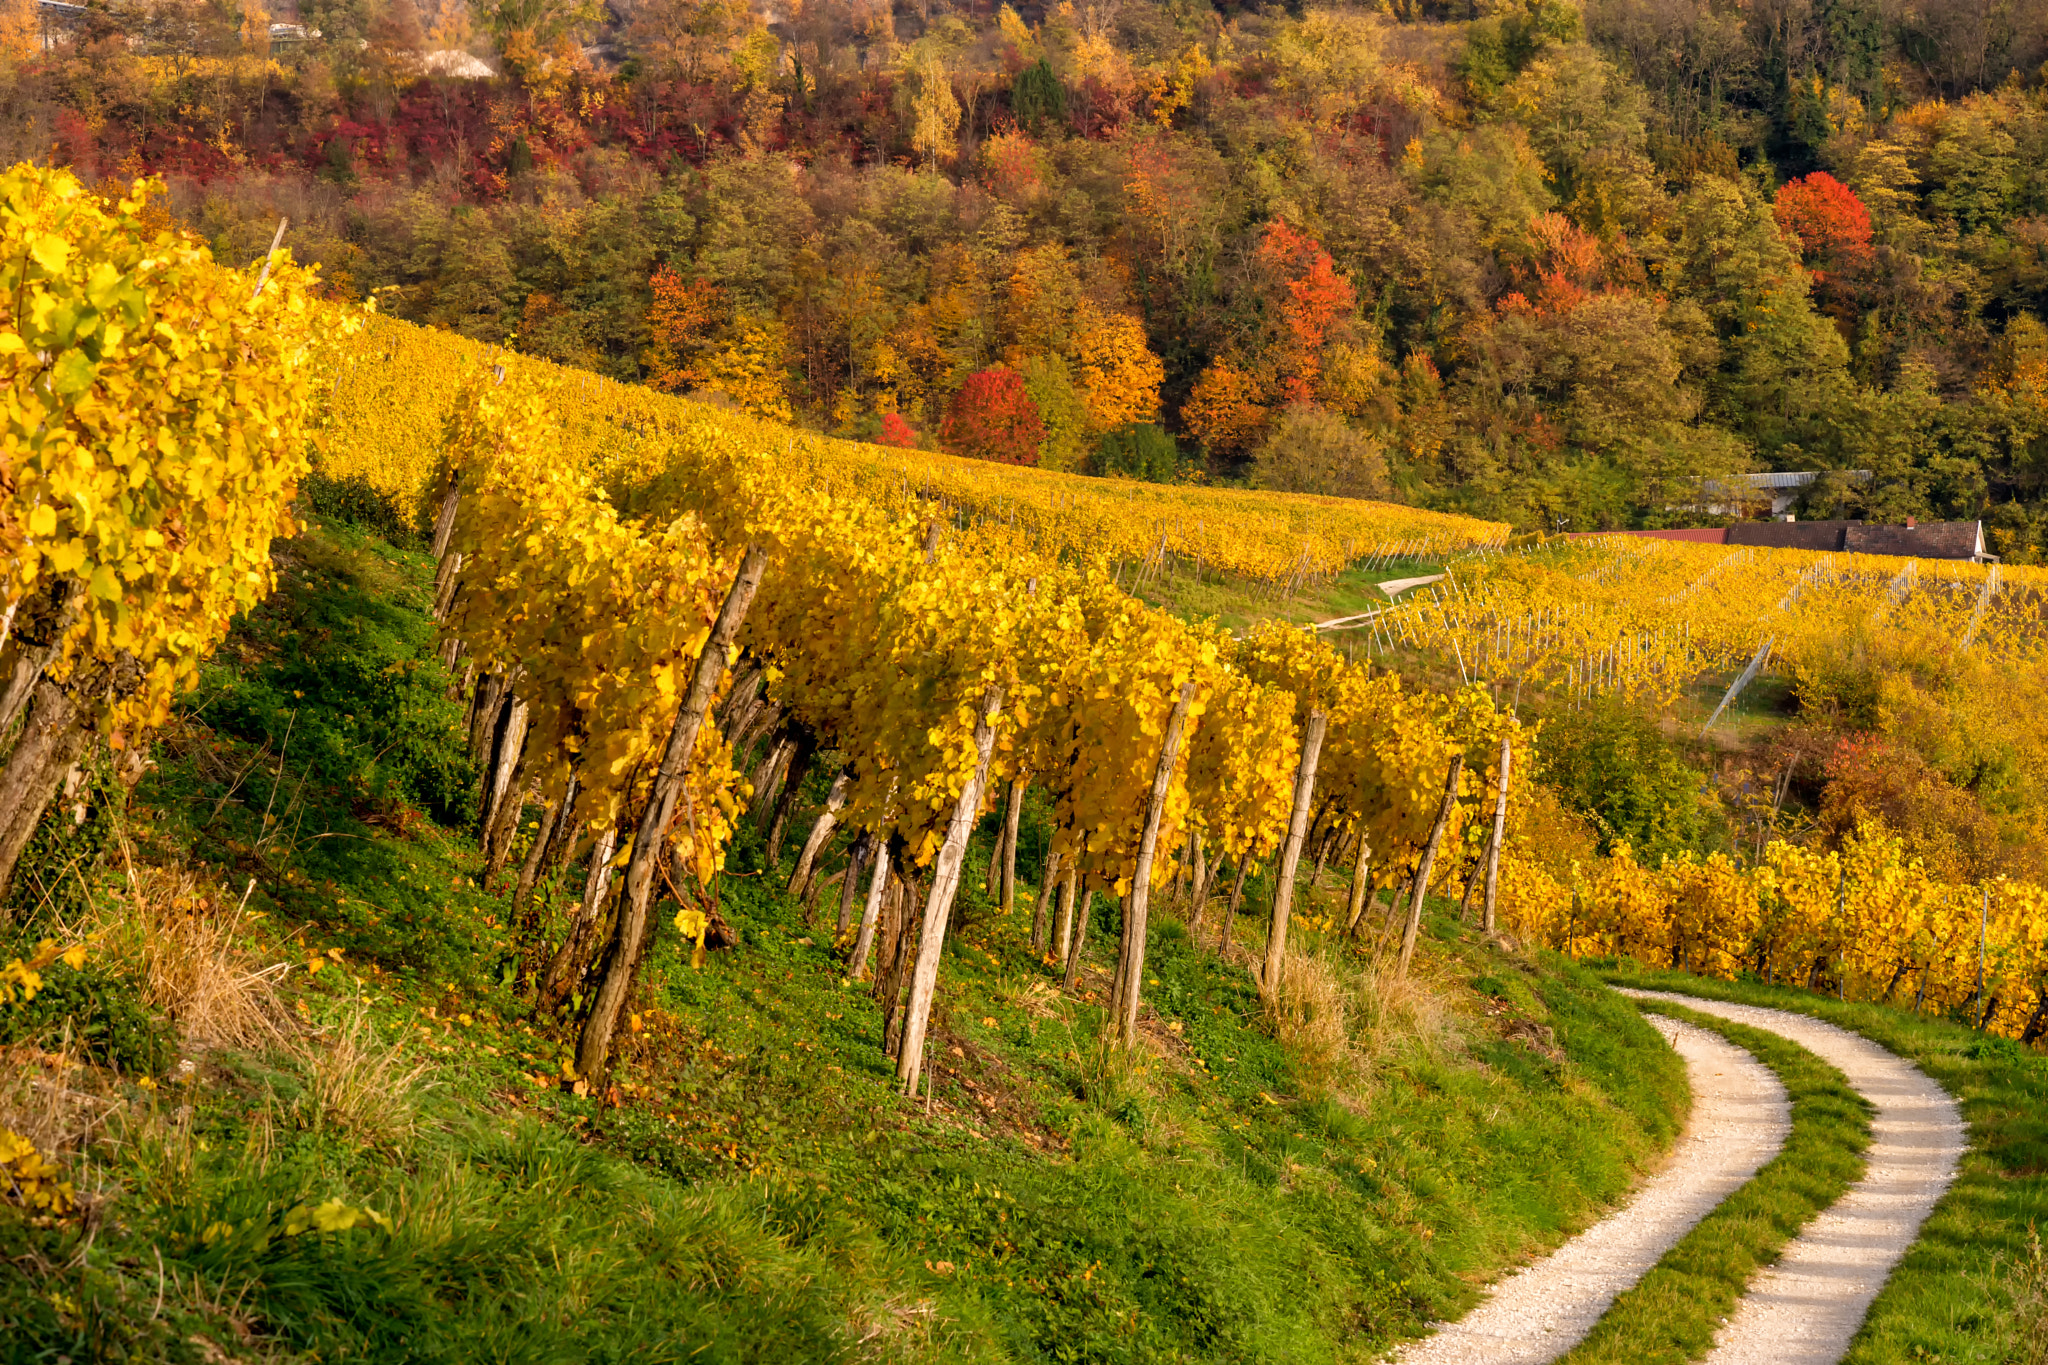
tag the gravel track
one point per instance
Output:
(1740, 1117)
(1805, 1309)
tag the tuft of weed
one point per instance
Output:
(358, 1084)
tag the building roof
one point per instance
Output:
(1790, 535)
(1928, 540)
(1925, 540)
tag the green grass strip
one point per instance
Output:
(1970, 1290)
(1671, 1314)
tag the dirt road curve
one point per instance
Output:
(1805, 1309)
(1802, 1311)
(1739, 1120)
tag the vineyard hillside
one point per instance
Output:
(748, 1184)
(391, 390)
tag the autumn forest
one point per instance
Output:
(1536, 263)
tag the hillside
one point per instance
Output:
(749, 1186)
(389, 395)
(685, 730)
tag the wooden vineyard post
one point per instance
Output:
(1472, 876)
(593, 1049)
(1198, 893)
(568, 961)
(1080, 937)
(1230, 910)
(543, 835)
(1068, 882)
(1359, 868)
(1012, 817)
(794, 773)
(1422, 868)
(871, 912)
(821, 834)
(849, 881)
(895, 949)
(1048, 885)
(1138, 908)
(1500, 824)
(924, 979)
(446, 566)
(508, 747)
(1290, 853)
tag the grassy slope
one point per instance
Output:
(1962, 1294)
(753, 1189)
(1236, 602)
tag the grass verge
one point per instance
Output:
(1969, 1290)
(1671, 1314)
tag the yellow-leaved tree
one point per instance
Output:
(152, 424)
(1117, 374)
(1223, 410)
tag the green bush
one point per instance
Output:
(1139, 451)
(356, 501)
(1616, 768)
(104, 1014)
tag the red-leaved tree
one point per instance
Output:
(1830, 222)
(896, 432)
(1318, 295)
(993, 418)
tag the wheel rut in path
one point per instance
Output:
(1740, 1118)
(1805, 1309)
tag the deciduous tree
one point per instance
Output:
(992, 417)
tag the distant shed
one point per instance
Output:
(1921, 540)
(1931, 540)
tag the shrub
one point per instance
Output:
(1138, 451)
(1315, 451)
(354, 500)
(1637, 787)
(104, 1014)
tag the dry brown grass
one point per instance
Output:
(1311, 1016)
(1339, 1015)
(54, 1099)
(183, 933)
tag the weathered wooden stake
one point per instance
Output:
(1359, 883)
(821, 834)
(1290, 854)
(1138, 908)
(1500, 823)
(593, 1049)
(870, 914)
(924, 980)
(1422, 869)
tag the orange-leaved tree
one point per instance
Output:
(1830, 222)
(1223, 409)
(1118, 375)
(680, 323)
(1318, 297)
(992, 417)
